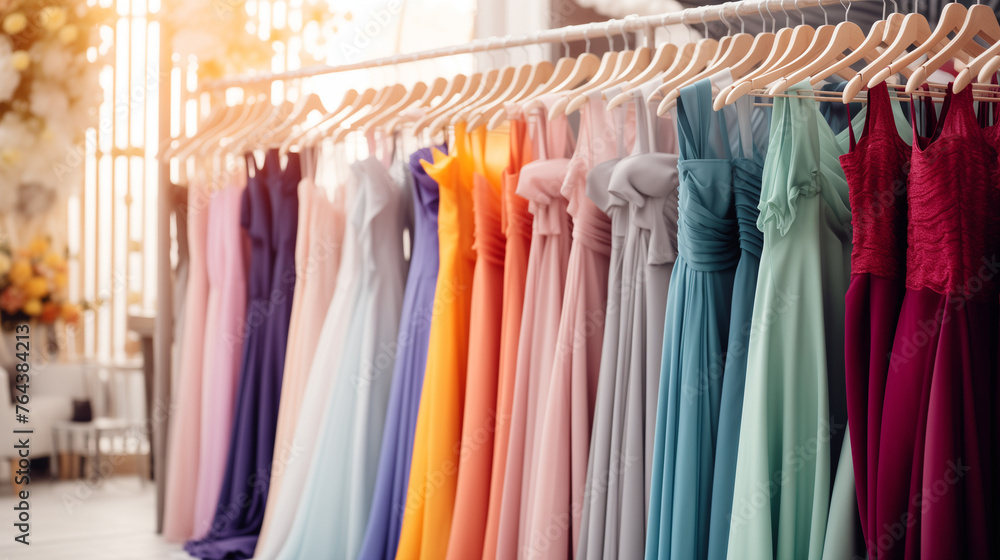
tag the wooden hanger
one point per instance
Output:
(980, 21)
(536, 75)
(414, 96)
(350, 96)
(542, 75)
(604, 73)
(258, 111)
(209, 137)
(640, 59)
(487, 82)
(300, 112)
(821, 37)
(663, 59)
(951, 19)
(363, 101)
(219, 115)
(705, 50)
(847, 36)
(882, 32)
(738, 46)
(509, 80)
(779, 49)
(391, 122)
(393, 95)
(467, 90)
(586, 67)
(563, 72)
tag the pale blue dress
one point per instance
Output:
(331, 518)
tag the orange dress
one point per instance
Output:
(468, 527)
(430, 497)
(516, 223)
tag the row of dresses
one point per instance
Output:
(761, 332)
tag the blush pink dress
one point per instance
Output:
(555, 482)
(185, 427)
(228, 258)
(540, 183)
(317, 261)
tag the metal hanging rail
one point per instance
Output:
(628, 24)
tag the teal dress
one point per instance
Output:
(748, 166)
(696, 332)
(793, 427)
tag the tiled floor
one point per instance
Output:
(71, 520)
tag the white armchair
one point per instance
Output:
(51, 392)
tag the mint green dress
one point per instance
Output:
(794, 422)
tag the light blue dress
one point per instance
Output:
(696, 332)
(331, 518)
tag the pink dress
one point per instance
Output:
(556, 480)
(540, 182)
(317, 261)
(227, 254)
(185, 426)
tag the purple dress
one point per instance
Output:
(386, 519)
(270, 211)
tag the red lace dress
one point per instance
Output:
(876, 169)
(934, 496)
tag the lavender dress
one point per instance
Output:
(385, 522)
(270, 215)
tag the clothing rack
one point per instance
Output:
(730, 12)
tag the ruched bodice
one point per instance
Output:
(952, 200)
(746, 194)
(706, 232)
(649, 185)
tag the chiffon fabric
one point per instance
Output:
(747, 170)
(937, 456)
(430, 496)
(876, 169)
(269, 212)
(516, 221)
(794, 413)
(322, 373)
(468, 528)
(227, 253)
(317, 260)
(185, 426)
(696, 333)
(336, 501)
(389, 500)
(562, 430)
(643, 209)
(540, 183)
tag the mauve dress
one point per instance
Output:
(336, 501)
(228, 254)
(270, 213)
(562, 433)
(322, 373)
(386, 518)
(185, 427)
(613, 520)
(937, 454)
(876, 168)
(516, 221)
(540, 184)
(490, 152)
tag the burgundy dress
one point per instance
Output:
(876, 169)
(937, 449)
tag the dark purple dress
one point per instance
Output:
(270, 212)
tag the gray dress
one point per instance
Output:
(643, 208)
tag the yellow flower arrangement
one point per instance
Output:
(15, 23)
(33, 283)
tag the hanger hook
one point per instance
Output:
(725, 20)
(763, 22)
(663, 24)
(684, 17)
(607, 33)
(703, 22)
(506, 52)
(847, 8)
(788, 21)
(743, 24)
(826, 16)
(566, 43)
(625, 33)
